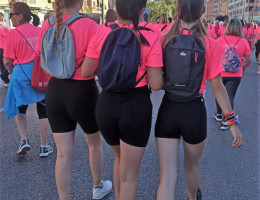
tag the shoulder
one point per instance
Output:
(150, 36)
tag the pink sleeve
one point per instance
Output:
(45, 26)
(155, 58)
(213, 59)
(97, 41)
(9, 50)
(247, 48)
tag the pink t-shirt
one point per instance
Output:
(242, 48)
(17, 48)
(221, 30)
(3, 32)
(168, 27)
(151, 55)
(211, 32)
(149, 25)
(159, 28)
(250, 31)
(244, 30)
(83, 30)
(258, 31)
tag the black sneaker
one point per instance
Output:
(24, 147)
(199, 195)
(45, 151)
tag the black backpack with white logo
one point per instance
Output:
(184, 63)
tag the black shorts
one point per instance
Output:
(69, 102)
(125, 116)
(182, 119)
(40, 106)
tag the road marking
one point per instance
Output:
(1, 109)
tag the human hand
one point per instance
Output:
(237, 136)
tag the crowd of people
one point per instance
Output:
(164, 55)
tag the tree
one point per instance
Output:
(157, 7)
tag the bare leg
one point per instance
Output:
(65, 146)
(44, 128)
(192, 155)
(130, 161)
(116, 179)
(21, 125)
(168, 157)
(95, 156)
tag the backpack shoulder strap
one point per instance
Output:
(114, 26)
(51, 20)
(164, 27)
(140, 28)
(72, 19)
(238, 41)
(27, 41)
(227, 41)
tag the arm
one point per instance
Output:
(247, 62)
(89, 67)
(155, 78)
(8, 63)
(223, 101)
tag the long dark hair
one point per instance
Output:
(188, 11)
(129, 10)
(23, 8)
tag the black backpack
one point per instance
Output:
(184, 64)
(119, 60)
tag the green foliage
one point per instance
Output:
(157, 7)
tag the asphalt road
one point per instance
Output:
(227, 173)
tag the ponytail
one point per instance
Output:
(59, 19)
(36, 20)
(133, 9)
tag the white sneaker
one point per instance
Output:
(45, 151)
(99, 193)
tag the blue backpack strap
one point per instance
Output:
(51, 20)
(114, 26)
(73, 18)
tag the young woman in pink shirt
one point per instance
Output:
(72, 101)
(124, 118)
(256, 42)
(19, 53)
(233, 37)
(188, 119)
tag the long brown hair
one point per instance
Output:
(187, 11)
(60, 5)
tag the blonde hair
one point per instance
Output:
(60, 5)
(163, 18)
(234, 27)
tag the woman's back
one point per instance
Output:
(16, 46)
